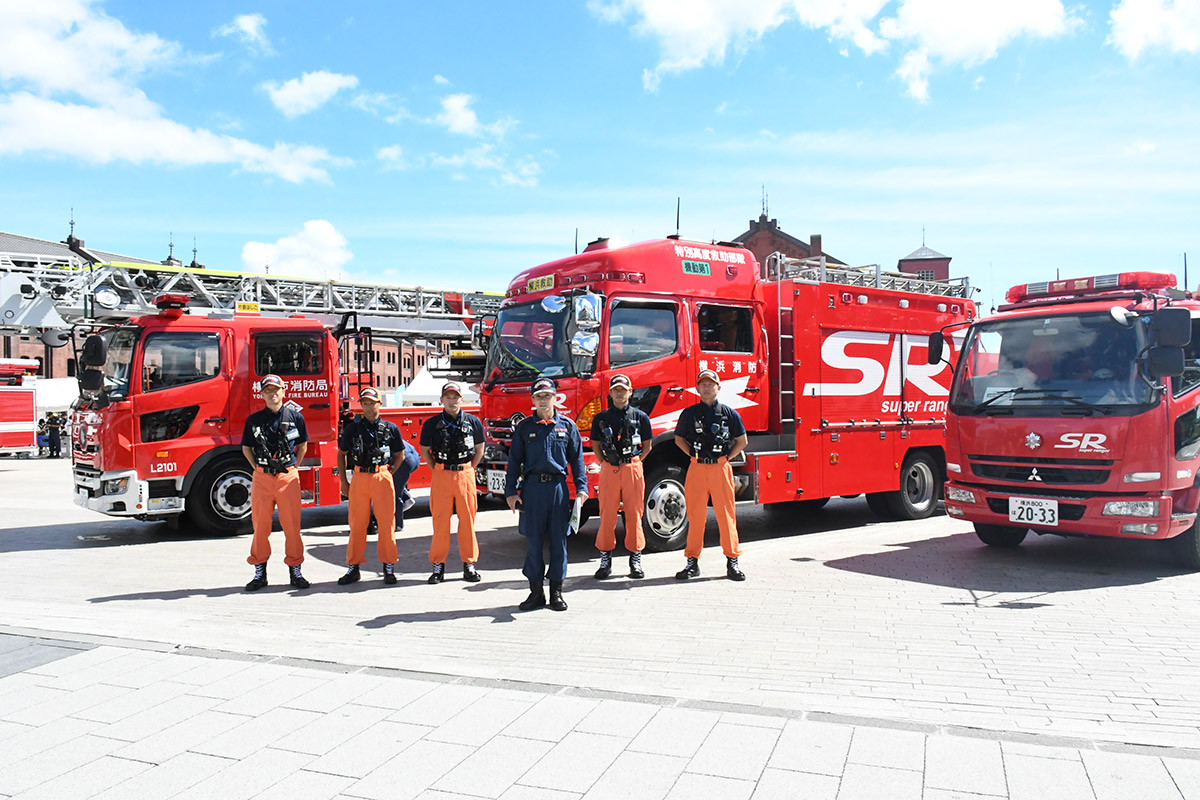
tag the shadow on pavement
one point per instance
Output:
(1041, 568)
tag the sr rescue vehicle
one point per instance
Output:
(1075, 410)
(827, 368)
(159, 435)
(18, 407)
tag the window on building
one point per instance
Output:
(407, 363)
(725, 329)
(640, 332)
(288, 353)
(177, 359)
(926, 275)
(421, 360)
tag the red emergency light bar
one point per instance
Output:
(164, 301)
(1098, 283)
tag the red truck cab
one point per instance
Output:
(1075, 410)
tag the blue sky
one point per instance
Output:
(453, 144)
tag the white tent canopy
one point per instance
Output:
(426, 390)
(55, 394)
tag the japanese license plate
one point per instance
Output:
(496, 481)
(1033, 511)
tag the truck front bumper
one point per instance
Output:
(1079, 516)
(121, 494)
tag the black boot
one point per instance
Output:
(536, 599)
(389, 573)
(439, 573)
(350, 577)
(635, 566)
(605, 570)
(260, 578)
(692, 570)
(556, 600)
(470, 574)
(733, 571)
(296, 578)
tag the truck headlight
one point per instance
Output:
(960, 495)
(116, 486)
(1131, 508)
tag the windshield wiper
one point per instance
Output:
(1085, 407)
(1016, 390)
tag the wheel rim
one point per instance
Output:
(666, 508)
(231, 495)
(919, 485)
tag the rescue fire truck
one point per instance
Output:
(166, 397)
(826, 367)
(18, 407)
(1075, 410)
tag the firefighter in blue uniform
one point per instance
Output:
(544, 446)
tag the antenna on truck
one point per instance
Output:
(576, 241)
(676, 217)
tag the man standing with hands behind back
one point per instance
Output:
(274, 441)
(710, 433)
(372, 448)
(452, 445)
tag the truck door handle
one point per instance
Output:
(752, 389)
(675, 390)
(214, 420)
(319, 405)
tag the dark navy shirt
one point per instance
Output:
(392, 444)
(613, 418)
(686, 425)
(550, 446)
(293, 428)
(465, 425)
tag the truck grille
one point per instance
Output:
(1049, 474)
(501, 430)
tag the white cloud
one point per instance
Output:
(318, 251)
(441, 80)
(458, 117)
(1140, 25)
(694, 33)
(524, 172)
(308, 92)
(249, 30)
(391, 157)
(72, 74)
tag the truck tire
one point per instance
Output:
(1187, 546)
(219, 502)
(1000, 535)
(878, 503)
(918, 494)
(664, 518)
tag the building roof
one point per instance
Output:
(771, 226)
(923, 253)
(27, 248)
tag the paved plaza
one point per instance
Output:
(860, 659)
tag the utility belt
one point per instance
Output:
(371, 469)
(617, 461)
(544, 477)
(707, 460)
(453, 467)
(275, 470)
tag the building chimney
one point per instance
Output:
(814, 247)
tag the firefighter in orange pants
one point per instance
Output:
(621, 438)
(274, 441)
(371, 448)
(710, 433)
(452, 444)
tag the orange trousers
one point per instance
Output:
(716, 481)
(621, 483)
(453, 491)
(266, 493)
(372, 491)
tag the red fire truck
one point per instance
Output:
(825, 366)
(160, 435)
(1075, 410)
(18, 407)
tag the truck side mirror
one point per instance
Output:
(1172, 327)
(95, 352)
(91, 380)
(1164, 362)
(588, 309)
(937, 342)
(55, 337)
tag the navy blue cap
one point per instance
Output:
(543, 385)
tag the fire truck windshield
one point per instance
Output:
(120, 345)
(527, 341)
(1051, 366)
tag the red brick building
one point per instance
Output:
(764, 237)
(926, 263)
